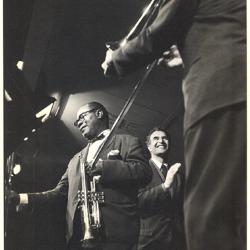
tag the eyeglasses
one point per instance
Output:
(82, 117)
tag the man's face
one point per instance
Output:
(158, 143)
(88, 123)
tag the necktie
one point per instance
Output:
(97, 138)
(164, 170)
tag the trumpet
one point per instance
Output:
(89, 202)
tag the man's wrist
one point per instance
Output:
(164, 187)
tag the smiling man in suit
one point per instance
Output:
(159, 200)
(121, 175)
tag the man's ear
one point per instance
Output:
(99, 113)
(149, 148)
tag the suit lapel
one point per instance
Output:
(110, 143)
(107, 148)
(157, 170)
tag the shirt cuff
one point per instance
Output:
(24, 198)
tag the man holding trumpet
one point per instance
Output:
(121, 170)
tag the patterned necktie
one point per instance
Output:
(164, 170)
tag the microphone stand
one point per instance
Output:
(7, 187)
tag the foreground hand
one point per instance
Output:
(95, 170)
(13, 198)
(107, 62)
(171, 174)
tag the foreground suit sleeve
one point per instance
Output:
(132, 168)
(58, 193)
(151, 42)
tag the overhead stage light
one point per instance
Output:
(20, 65)
(7, 96)
(44, 114)
(44, 108)
(17, 169)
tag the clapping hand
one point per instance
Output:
(171, 174)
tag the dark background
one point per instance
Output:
(62, 44)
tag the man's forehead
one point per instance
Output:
(158, 133)
(88, 107)
(82, 110)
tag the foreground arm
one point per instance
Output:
(149, 44)
(39, 198)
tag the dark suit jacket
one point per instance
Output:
(120, 182)
(211, 35)
(159, 211)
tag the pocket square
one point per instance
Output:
(114, 155)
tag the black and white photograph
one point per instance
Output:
(124, 125)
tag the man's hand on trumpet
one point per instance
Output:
(94, 170)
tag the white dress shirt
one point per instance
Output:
(93, 148)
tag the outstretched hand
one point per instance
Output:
(13, 198)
